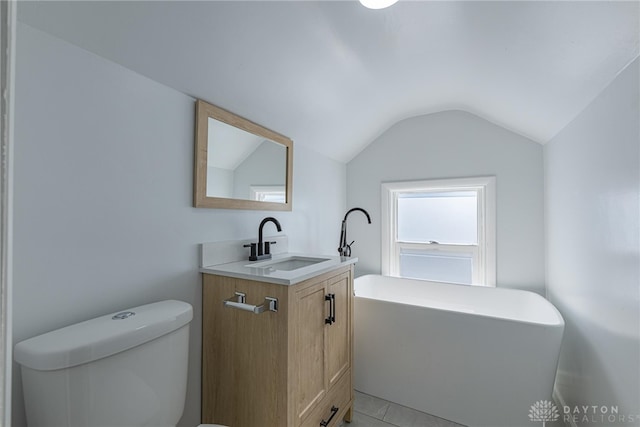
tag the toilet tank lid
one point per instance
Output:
(103, 336)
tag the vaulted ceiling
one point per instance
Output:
(333, 75)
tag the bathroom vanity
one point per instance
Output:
(277, 342)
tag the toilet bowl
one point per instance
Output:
(124, 369)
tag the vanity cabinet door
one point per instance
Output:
(338, 351)
(322, 344)
(310, 310)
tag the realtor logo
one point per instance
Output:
(543, 410)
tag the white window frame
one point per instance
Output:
(484, 254)
(259, 192)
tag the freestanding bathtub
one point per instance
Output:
(473, 355)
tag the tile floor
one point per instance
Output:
(370, 411)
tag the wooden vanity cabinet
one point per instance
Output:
(292, 367)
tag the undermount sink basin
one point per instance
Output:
(288, 264)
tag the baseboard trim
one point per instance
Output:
(561, 403)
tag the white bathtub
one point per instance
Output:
(473, 355)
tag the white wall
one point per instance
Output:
(267, 165)
(103, 188)
(455, 144)
(593, 249)
(223, 179)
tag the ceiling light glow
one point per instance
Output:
(377, 4)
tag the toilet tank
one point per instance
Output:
(124, 369)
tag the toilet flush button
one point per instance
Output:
(123, 315)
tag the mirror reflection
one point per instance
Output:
(240, 164)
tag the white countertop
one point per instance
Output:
(257, 270)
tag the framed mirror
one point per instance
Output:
(240, 164)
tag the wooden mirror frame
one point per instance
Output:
(204, 111)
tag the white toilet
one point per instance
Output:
(126, 369)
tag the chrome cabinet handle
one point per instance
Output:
(269, 304)
(334, 411)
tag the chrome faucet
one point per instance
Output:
(263, 250)
(345, 249)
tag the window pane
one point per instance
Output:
(276, 197)
(437, 266)
(445, 217)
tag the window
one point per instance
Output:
(265, 193)
(440, 230)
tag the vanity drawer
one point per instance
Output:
(334, 404)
